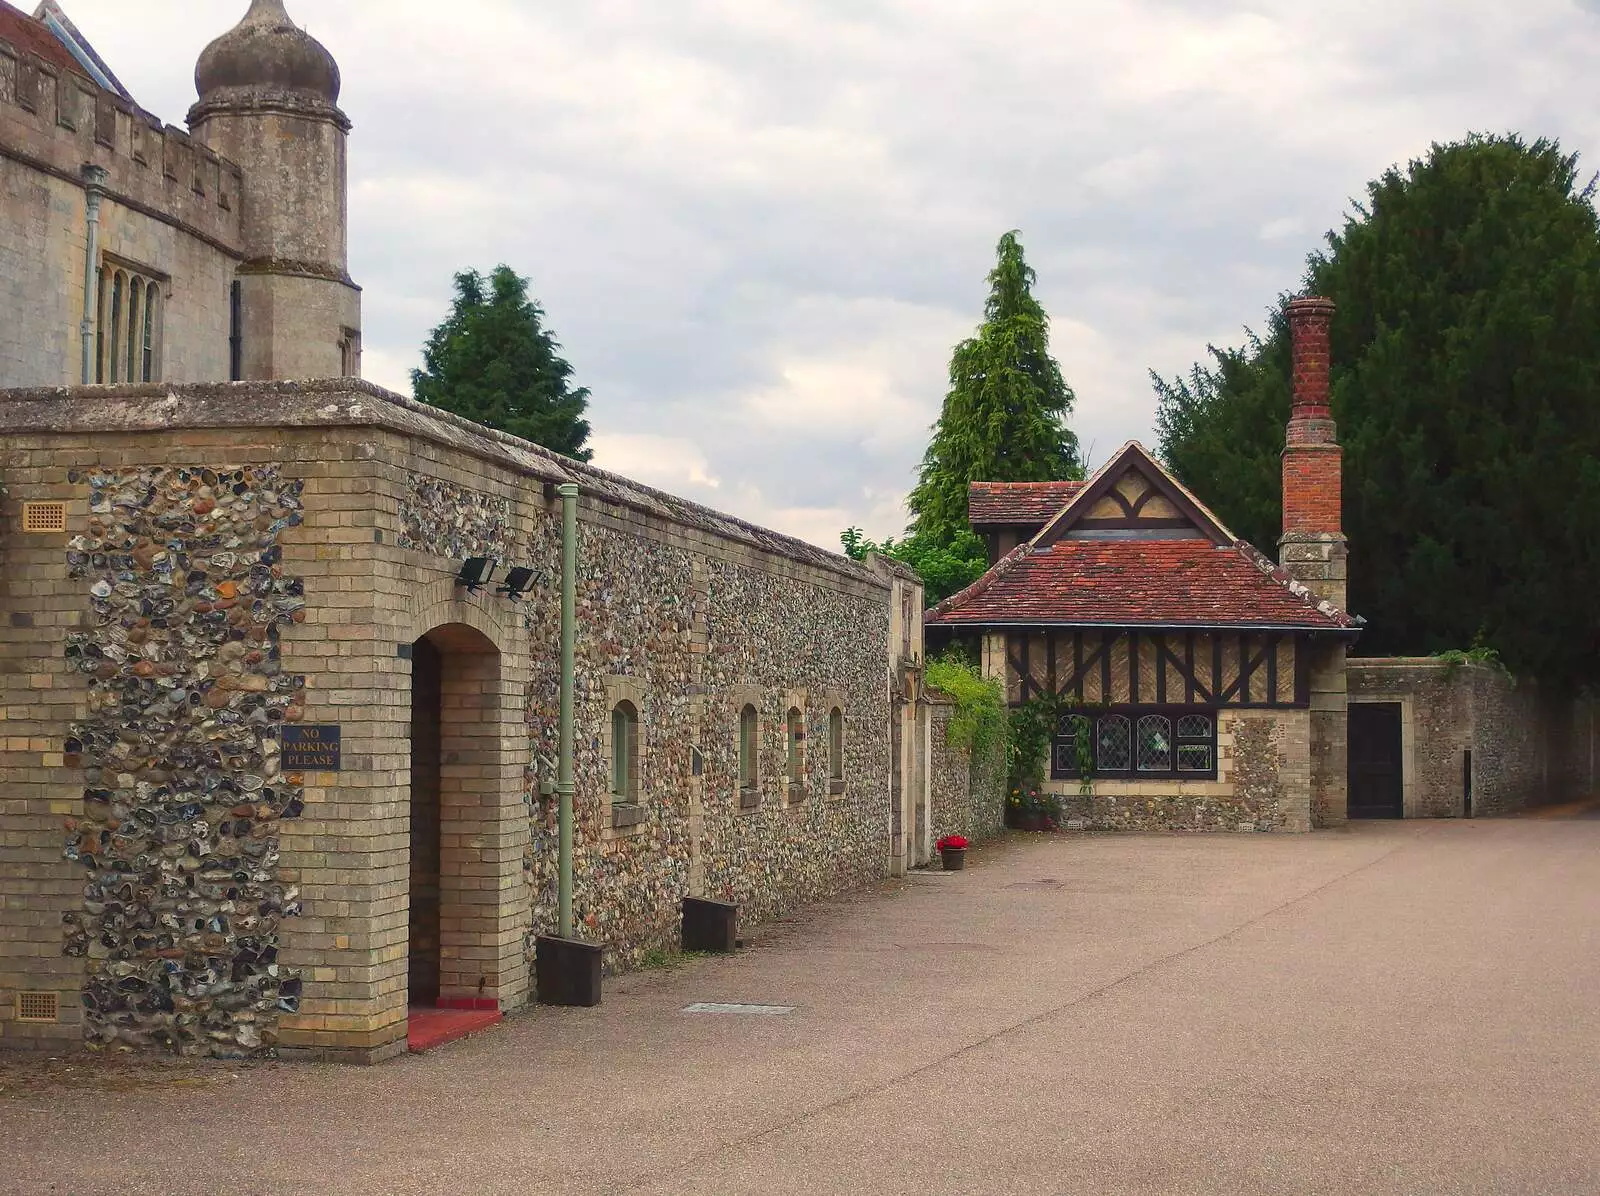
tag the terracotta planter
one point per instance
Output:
(1031, 822)
(955, 858)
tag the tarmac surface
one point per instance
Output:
(1397, 1008)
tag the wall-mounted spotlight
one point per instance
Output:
(476, 573)
(517, 583)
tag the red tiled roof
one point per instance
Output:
(1139, 583)
(1017, 503)
(32, 37)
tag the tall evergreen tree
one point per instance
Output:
(494, 362)
(1004, 417)
(1466, 355)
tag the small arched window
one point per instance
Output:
(152, 300)
(1155, 743)
(119, 289)
(102, 307)
(749, 750)
(836, 750)
(625, 753)
(135, 345)
(797, 752)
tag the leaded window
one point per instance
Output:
(1113, 743)
(1197, 735)
(1140, 743)
(1155, 743)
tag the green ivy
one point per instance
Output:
(979, 723)
(1033, 728)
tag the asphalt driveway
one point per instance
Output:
(1400, 1008)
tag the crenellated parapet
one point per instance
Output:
(56, 121)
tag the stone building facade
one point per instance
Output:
(210, 254)
(228, 569)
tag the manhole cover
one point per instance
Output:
(746, 1010)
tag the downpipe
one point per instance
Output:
(94, 181)
(564, 781)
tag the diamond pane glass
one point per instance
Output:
(1066, 764)
(1155, 744)
(1194, 757)
(1113, 744)
(1194, 726)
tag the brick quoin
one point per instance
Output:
(1313, 462)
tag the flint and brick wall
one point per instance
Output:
(273, 554)
(1263, 779)
(967, 789)
(1529, 748)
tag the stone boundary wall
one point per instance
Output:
(1528, 747)
(55, 121)
(968, 792)
(299, 937)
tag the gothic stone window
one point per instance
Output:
(1140, 743)
(128, 342)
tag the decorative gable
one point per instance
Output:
(1133, 498)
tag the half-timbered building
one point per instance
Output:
(1209, 681)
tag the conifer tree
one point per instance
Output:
(1466, 362)
(1004, 417)
(493, 361)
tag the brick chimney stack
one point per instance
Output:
(1313, 548)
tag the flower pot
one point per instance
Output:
(1031, 822)
(955, 858)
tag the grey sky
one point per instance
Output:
(758, 226)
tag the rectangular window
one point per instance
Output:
(1138, 743)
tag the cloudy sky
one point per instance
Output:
(759, 226)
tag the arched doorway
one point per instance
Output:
(467, 821)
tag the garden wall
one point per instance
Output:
(1529, 747)
(967, 789)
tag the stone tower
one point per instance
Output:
(1313, 548)
(269, 96)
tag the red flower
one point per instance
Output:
(953, 843)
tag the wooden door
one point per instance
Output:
(1377, 774)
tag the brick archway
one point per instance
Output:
(467, 825)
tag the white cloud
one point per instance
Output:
(758, 226)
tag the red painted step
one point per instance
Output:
(429, 1028)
